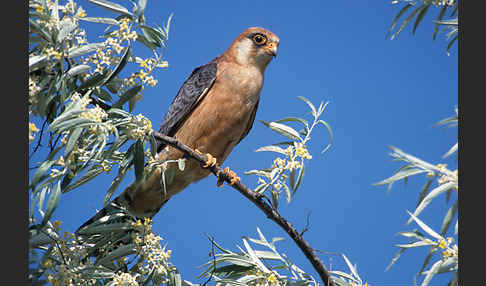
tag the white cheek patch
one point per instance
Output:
(243, 49)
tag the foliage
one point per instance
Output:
(77, 88)
(282, 174)
(267, 267)
(447, 184)
(418, 11)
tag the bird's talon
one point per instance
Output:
(210, 161)
(233, 177)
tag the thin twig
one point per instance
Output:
(307, 225)
(100, 103)
(256, 199)
(38, 141)
(214, 262)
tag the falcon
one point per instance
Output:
(212, 112)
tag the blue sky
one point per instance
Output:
(381, 93)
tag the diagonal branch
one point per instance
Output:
(257, 200)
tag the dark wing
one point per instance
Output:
(192, 91)
(250, 123)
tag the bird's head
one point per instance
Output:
(255, 46)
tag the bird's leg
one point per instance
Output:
(210, 160)
(231, 174)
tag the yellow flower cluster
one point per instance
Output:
(301, 151)
(67, 258)
(32, 130)
(106, 165)
(33, 89)
(125, 279)
(51, 52)
(142, 127)
(264, 279)
(95, 114)
(150, 249)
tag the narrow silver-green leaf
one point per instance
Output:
(431, 272)
(395, 21)
(425, 227)
(451, 151)
(84, 49)
(439, 18)
(111, 6)
(103, 20)
(174, 278)
(299, 177)
(395, 258)
(432, 250)
(282, 129)
(322, 122)
(406, 21)
(44, 167)
(400, 175)
(53, 202)
(423, 192)
(287, 192)
(414, 244)
(126, 96)
(78, 69)
(420, 16)
(294, 119)
(114, 185)
(271, 148)
(139, 160)
(88, 176)
(448, 218)
(312, 107)
(117, 253)
(434, 193)
(72, 139)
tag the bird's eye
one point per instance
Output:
(259, 39)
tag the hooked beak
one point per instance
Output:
(271, 49)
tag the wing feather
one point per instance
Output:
(190, 94)
(250, 122)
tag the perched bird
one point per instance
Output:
(212, 112)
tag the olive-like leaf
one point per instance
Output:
(271, 148)
(420, 16)
(425, 227)
(439, 18)
(44, 167)
(322, 122)
(406, 21)
(52, 203)
(114, 185)
(78, 69)
(126, 96)
(139, 160)
(72, 139)
(103, 20)
(111, 6)
(88, 176)
(84, 49)
(282, 129)
(295, 119)
(299, 177)
(121, 64)
(434, 193)
(312, 107)
(448, 218)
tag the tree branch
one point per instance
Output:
(257, 200)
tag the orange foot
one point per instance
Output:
(210, 161)
(231, 174)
